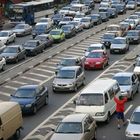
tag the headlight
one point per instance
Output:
(128, 133)
(98, 62)
(86, 62)
(28, 105)
(100, 114)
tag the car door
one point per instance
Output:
(79, 76)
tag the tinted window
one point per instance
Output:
(122, 80)
(135, 119)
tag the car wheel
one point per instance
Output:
(108, 118)
(3, 67)
(95, 134)
(17, 134)
(24, 57)
(34, 109)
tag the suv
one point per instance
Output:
(128, 82)
(69, 79)
(2, 63)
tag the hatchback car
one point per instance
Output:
(22, 29)
(128, 82)
(13, 53)
(132, 131)
(119, 45)
(96, 59)
(133, 36)
(76, 127)
(69, 79)
(31, 97)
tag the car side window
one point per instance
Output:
(111, 93)
(106, 98)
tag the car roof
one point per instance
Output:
(70, 68)
(13, 46)
(121, 74)
(5, 31)
(137, 109)
(74, 117)
(42, 23)
(96, 45)
(28, 87)
(56, 30)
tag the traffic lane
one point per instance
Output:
(56, 100)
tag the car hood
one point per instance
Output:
(8, 54)
(133, 128)
(23, 101)
(93, 59)
(63, 81)
(18, 30)
(118, 46)
(125, 88)
(58, 136)
(56, 36)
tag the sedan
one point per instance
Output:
(96, 18)
(132, 131)
(119, 45)
(128, 82)
(46, 39)
(96, 59)
(2, 63)
(14, 53)
(31, 97)
(135, 18)
(33, 47)
(133, 36)
(22, 29)
(112, 12)
(131, 5)
(121, 8)
(79, 27)
(76, 127)
(104, 16)
(87, 22)
(7, 37)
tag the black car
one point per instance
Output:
(33, 47)
(104, 16)
(121, 8)
(96, 18)
(107, 39)
(45, 38)
(31, 97)
(57, 18)
(14, 53)
(69, 30)
(112, 12)
(133, 36)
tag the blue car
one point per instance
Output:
(31, 97)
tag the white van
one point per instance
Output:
(97, 99)
(10, 120)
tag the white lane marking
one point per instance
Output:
(80, 48)
(46, 66)
(37, 74)
(45, 70)
(77, 50)
(67, 55)
(125, 66)
(83, 46)
(126, 111)
(19, 82)
(75, 53)
(32, 79)
(50, 62)
(58, 117)
(59, 57)
(69, 109)
(55, 60)
(10, 87)
(4, 93)
(108, 73)
(114, 69)
(49, 126)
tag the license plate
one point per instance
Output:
(116, 50)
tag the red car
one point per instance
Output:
(96, 59)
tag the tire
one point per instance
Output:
(95, 134)
(34, 110)
(17, 134)
(108, 118)
(24, 57)
(16, 61)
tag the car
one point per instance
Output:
(64, 10)
(121, 8)
(135, 18)
(137, 28)
(104, 16)
(112, 12)
(58, 35)
(69, 30)
(2, 63)
(131, 22)
(79, 27)
(22, 29)
(14, 53)
(65, 21)
(119, 45)
(131, 5)
(70, 61)
(76, 127)
(125, 26)
(41, 28)
(138, 2)
(79, 16)
(107, 38)
(97, 59)
(87, 22)
(128, 82)
(115, 28)
(49, 21)
(2, 46)
(68, 79)
(96, 46)
(34, 47)
(57, 18)
(7, 36)
(133, 36)
(89, 3)
(96, 18)
(31, 97)
(133, 127)
(45, 38)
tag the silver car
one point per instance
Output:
(76, 127)
(133, 129)
(128, 82)
(69, 79)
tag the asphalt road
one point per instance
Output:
(57, 100)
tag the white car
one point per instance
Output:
(87, 22)
(79, 16)
(7, 37)
(49, 21)
(135, 18)
(2, 63)
(131, 5)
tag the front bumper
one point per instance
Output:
(93, 66)
(63, 87)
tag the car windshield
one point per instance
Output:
(19, 27)
(95, 55)
(108, 36)
(93, 48)
(138, 63)
(94, 17)
(119, 41)
(69, 127)
(68, 62)
(57, 16)
(10, 50)
(25, 93)
(74, 23)
(55, 32)
(122, 80)
(66, 8)
(66, 74)
(90, 99)
(3, 34)
(40, 27)
(132, 33)
(133, 17)
(135, 119)
(30, 44)
(131, 2)
(66, 19)
(85, 20)
(66, 28)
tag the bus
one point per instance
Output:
(31, 12)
